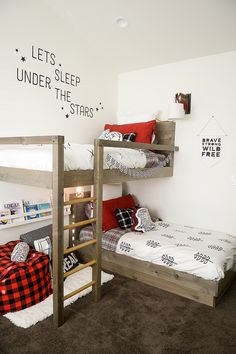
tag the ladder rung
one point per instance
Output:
(80, 223)
(81, 245)
(83, 266)
(80, 200)
(79, 290)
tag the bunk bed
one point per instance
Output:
(196, 288)
(58, 179)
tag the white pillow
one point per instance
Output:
(44, 245)
(104, 135)
(20, 252)
(108, 135)
(142, 221)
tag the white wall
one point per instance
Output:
(27, 109)
(196, 195)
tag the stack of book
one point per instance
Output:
(20, 210)
(36, 210)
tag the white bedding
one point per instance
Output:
(204, 253)
(77, 157)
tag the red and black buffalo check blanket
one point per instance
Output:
(22, 284)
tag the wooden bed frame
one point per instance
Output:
(207, 292)
(57, 180)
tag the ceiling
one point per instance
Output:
(159, 31)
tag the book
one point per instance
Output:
(43, 206)
(4, 214)
(14, 208)
(28, 207)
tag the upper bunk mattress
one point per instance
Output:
(77, 157)
(204, 253)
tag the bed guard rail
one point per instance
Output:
(131, 145)
(24, 140)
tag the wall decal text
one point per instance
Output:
(59, 81)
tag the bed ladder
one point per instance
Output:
(58, 229)
(94, 263)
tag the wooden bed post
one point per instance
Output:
(98, 193)
(58, 230)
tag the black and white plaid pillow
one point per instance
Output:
(129, 137)
(124, 217)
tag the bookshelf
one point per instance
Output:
(67, 211)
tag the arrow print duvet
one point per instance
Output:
(204, 253)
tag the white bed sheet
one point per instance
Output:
(204, 253)
(77, 157)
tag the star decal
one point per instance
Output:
(67, 115)
(23, 59)
(99, 106)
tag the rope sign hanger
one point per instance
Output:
(208, 122)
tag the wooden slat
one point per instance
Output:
(51, 139)
(26, 177)
(79, 290)
(71, 178)
(81, 245)
(78, 269)
(77, 213)
(166, 132)
(78, 178)
(98, 192)
(166, 135)
(129, 145)
(167, 285)
(197, 283)
(80, 223)
(115, 176)
(58, 231)
(177, 277)
(180, 283)
(80, 200)
(84, 178)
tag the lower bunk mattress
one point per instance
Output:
(203, 253)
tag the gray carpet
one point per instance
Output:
(131, 318)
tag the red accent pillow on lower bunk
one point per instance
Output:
(108, 210)
(143, 130)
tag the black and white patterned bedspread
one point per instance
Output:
(152, 163)
(204, 253)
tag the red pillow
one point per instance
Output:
(143, 130)
(108, 210)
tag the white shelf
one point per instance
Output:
(27, 222)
